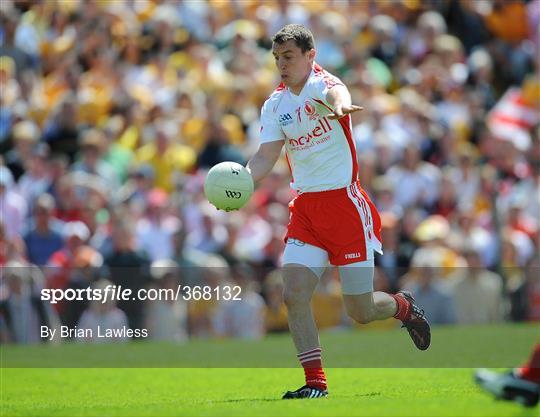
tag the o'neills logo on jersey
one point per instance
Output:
(322, 128)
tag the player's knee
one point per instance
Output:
(299, 284)
(295, 296)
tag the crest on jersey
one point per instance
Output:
(310, 110)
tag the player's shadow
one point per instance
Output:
(367, 394)
(242, 400)
(527, 412)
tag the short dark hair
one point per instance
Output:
(302, 36)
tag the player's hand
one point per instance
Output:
(341, 111)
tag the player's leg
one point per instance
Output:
(531, 370)
(508, 386)
(361, 302)
(521, 385)
(299, 284)
(358, 236)
(364, 305)
(302, 269)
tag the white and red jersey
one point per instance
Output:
(321, 152)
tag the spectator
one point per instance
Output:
(118, 157)
(243, 317)
(393, 261)
(166, 317)
(68, 200)
(14, 207)
(211, 236)
(44, 238)
(190, 261)
(61, 130)
(466, 176)
(25, 137)
(218, 148)
(467, 229)
(276, 312)
(8, 100)
(127, 267)
(60, 264)
(384, 196)
(86, 271)
(525, 297)
(429, 289)
(169, 158)
(101, 317)
(9, 21)
(140, 181)
(91, 162)
(520, 221)
(414, 182)
(155, 229)
(20, 303)
(93, 215)
(11, 249)
(477, 292)
(446, 202)
(215, 273)
(465, 19)
(36, 180)
(501, 12)
(58, 165)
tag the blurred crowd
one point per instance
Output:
(113, 111)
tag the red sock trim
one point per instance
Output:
(403, 312)
(315, 378)
(312, 363)
(531, 370)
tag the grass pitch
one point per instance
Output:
(163, 391)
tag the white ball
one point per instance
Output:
(228, 186)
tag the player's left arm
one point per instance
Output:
(339, 98)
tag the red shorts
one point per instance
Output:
(343, 222)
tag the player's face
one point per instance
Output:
(294, 66)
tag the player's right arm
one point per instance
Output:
(272, 140)
(264, 159)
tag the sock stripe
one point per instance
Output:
(311, 362)
(315, 355)
(310, 358)
(309, 353)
